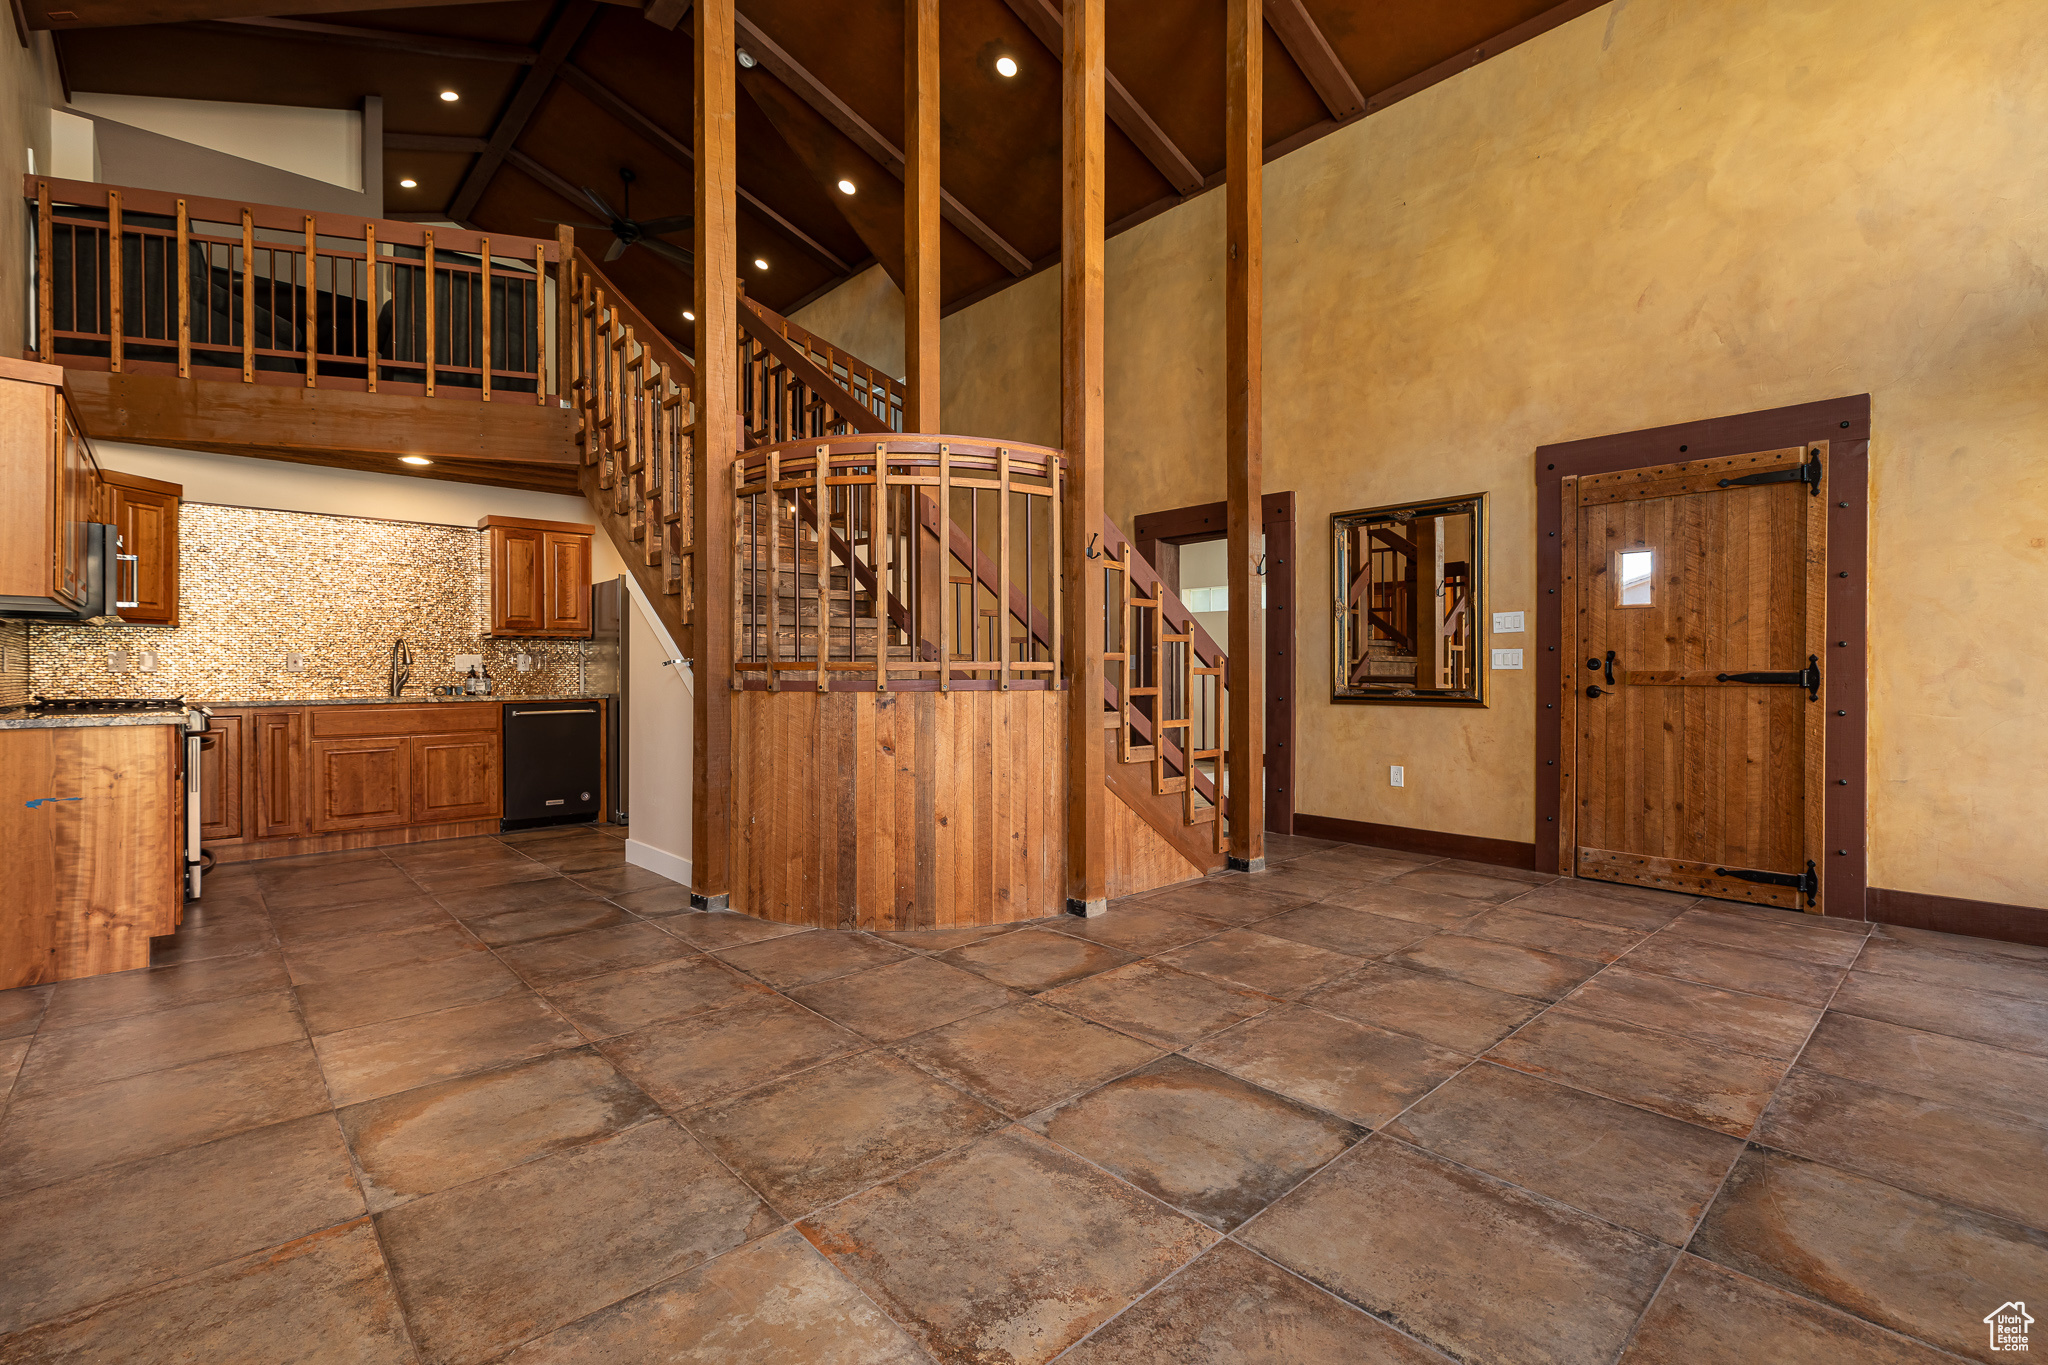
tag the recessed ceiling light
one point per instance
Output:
(408, 184)
(414, 459)
(689, 316)
(846, 187)
(760, 264)
(1006, 66)
(451, 96)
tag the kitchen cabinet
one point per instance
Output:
(540, 577)
(457, 777)
(144, 513)
(279, 773)
(223, 758)
(361, 784)
(49, 493)
(90, 819)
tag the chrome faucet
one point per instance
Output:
(401, 666)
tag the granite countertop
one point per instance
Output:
(388, 701)
(18, 718)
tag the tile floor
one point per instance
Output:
(509, 1099)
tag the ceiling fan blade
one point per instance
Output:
(565, 222)
(618, 249)
(655, 227)
(673, 253)
(604, 210)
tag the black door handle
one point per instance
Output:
(1593, 690)
(1610, 668)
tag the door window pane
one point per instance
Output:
(1635, 568)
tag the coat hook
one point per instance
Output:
(1259, 566)
(1092, 552)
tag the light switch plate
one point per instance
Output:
(121, 661)
(148, 661)
(1397, 776)
(1507, 623)
(1507, 658)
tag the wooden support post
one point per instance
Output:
(1081, 433)
(312, 304)
(484, 327)
(540, 324)
(248, 298)
(431, 330)
(116, 283)
(1002, 626)
(944, 555)
(1244, 159)
(46, 280)
(716, 240)
(878, 558)
(184, 293)
(370, 330)
(921, 202)
(568, 291)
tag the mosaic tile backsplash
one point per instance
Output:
(13, 663)
(256, 586)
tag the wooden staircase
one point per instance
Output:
(1162, 706)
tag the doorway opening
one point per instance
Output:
(1187, 545)
(1700, 708)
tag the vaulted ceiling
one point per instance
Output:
(557, 95)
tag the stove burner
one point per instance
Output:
(49, 706)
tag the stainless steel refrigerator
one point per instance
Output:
(606, 671)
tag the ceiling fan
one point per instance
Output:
(627, 232)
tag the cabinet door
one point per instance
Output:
(148, 524)
(568, 583)
(280, 785)
(361, 784)
(222, 755)
(77, 491)
(456, 777)
(518, 593)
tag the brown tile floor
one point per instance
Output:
(509, 1099)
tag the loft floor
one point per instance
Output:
(508, 1097)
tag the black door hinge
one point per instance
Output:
(1807, 473)
(1807, 882)
(1807, 677)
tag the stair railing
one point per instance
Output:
(635, 394)
(145, 281)
(843, 576)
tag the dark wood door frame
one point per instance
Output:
(1159, 535)
(1844, 423)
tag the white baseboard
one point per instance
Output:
(658, 860)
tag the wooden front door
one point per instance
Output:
(1693, 675)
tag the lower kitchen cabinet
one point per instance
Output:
(278, 781)
(361, 784)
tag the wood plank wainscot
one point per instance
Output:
(91, 828)
(898, 810)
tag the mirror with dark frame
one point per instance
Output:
(1410, 603)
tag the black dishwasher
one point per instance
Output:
(554, 762)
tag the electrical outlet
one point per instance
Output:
(1507, 623)
(121, 661)
(1507, 658)
(148, 661)
(295, 663)
(462, 663)
(1397, 776)
(524, 661)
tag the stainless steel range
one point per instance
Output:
(197, 721)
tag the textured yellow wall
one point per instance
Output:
(27, 89)
(864, 317)
(1662, 211)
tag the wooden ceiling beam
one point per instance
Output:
(380, 40)
(836, 111)
(611, 102)
(1043, 19)
(533, 87)
(666, 14)
(1318, 61)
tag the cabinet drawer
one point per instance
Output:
(427, 718)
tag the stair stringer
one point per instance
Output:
(1175, 850)
(667, 605)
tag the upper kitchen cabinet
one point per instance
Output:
(540, 577)
(144, 514)
(49, 492)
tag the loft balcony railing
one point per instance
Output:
(144, 281)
